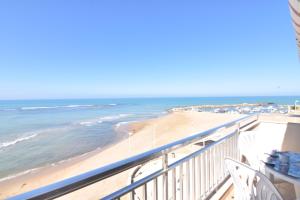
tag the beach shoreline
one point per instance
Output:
(88, 123)
(122, 129)
(122, 148)
(144, 136)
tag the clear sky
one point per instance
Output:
(141, 48)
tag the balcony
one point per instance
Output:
(190, 168)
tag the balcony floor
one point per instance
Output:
(228, 195)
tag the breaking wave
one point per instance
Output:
(71, 106)
(87, 123)
(115, 117)
(18, 174)
(90, 123)
(100, 120)
(32, 134)
(55, 107)
(20, 139)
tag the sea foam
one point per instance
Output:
(55, 107)
(71, 106)
(87, 123)
(18, 174)
(100, 120)
(32, 134)
(114, 117)
(13, 142)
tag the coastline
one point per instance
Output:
(145, 135)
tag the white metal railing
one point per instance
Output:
(195, 176)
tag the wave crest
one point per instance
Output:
(100, 120)
(20, 139)
(71, 106)
(30, 135)
(55, 107)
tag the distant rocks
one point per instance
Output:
(243, 108)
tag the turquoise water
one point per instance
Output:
(34, 133)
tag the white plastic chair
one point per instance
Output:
(249, 148)
(250, 184)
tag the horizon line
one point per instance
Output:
(147, 97)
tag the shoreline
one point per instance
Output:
(69, 160)
(121, 129)
(131, 127)
(198, 108)
(145, 135)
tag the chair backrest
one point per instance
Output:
(249, 148)
(250, 184)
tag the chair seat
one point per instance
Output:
(250, 184)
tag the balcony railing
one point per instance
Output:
(195, 176)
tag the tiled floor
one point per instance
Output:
(228, 194)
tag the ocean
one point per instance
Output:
(36, 133)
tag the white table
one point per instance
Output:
(271, 173)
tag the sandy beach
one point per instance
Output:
(144, 136)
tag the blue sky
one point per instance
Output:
(109, 48)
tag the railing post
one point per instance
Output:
(237, 152)
(165, 176)
(132, 195)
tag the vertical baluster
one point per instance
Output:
(165, 176)
(226, 147)
(232, 146)
(219, 163)
(225, 155)
(206, 172)
(209, 169)
(202, 175)
(238, 133)
(221, 159)
(174, 183)
(181, 181)
(229, 151)
(144, 188)
(193, 192)
(237, 152)
(214, 165)
(132, 195)
(235, 147)
(187, 180)
(155, 192)
(199, 176)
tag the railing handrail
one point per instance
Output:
(155, 174)
(77, 182)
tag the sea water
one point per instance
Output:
(35, 133)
